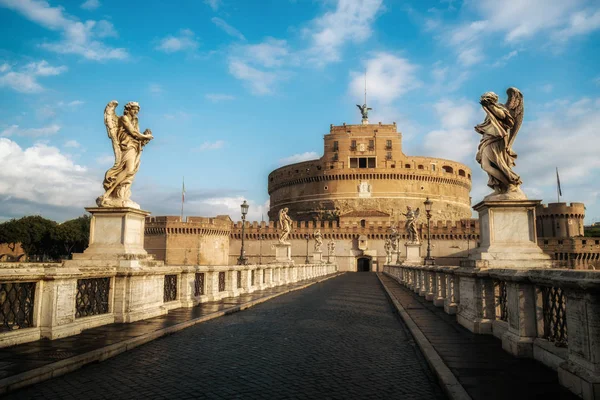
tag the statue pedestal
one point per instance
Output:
(413, 254)
(507, 236)
(318, 257)
(115, 233)
(283, 253)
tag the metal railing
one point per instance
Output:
(221, 281)
(170, 290)
(92, 297)
(16, 305)
(501, 305)
(199, 284)
(554, 303)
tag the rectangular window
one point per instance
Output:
(433, 167)
(353, 145)
(584, 242)
(335, 146)
(388, 144)
(388, 155)
(363, 162)
(371, 145)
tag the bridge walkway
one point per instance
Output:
(337, 339)
(481, 366)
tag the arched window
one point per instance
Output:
(363, 223)
(461, 172)
(447, 169)
(421, 167)
(406, 165)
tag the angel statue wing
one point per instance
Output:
(111, 121)
(417, 213)
(515, 105)
(360, 108)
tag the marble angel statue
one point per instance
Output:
(498, 132)
(127, 142)
(411, 224)
(318, 240)
(285, 225)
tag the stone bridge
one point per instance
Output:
(401, 334)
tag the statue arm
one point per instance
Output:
(132, 131)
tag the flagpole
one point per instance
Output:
(182, 195)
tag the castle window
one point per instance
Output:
(371, 145)
(433, 167)
(407, 166)
(335, 146)
(597, 242)
(353, 145)
(447, 169)
(388, 144)
(388, 155)
(362, 162)
(420, 167)
(363, 223)
(326, 187)
(584, 242)
(461, 172)
(545, 242)
(560, 242)
(335, 157)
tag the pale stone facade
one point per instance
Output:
(363, 168)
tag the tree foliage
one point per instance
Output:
(45, 238)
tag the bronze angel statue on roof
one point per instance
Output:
(495, 153)
(127, 141)
(364, 110)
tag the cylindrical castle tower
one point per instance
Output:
(560, 220)
(362, 169)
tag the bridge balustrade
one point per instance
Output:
(551, 315)
(49, 300)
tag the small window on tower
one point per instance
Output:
(353, 145)
(335, 146)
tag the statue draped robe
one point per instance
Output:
(494, 154)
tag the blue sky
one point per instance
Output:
(234, 89)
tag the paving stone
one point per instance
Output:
(309, 344)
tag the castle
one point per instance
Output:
(353, 194)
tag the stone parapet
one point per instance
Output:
(61, 299)
(552, 315)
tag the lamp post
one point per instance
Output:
(243, 260)
(307, 237)
(428, 260)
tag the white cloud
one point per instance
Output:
(218, 97)
(72, 143)
(155, 88)
(350, 22)
(211, 145)
(78, 37)
(30, 132)
(455, 139)
(270, 53)
(228, 29)
(43, 175)
(90, 5)
(260, 82)
(296, 158)
(214, 4)
(388, 78)
(186, 41)
(580, 23)
(106, 159)
(25, 80)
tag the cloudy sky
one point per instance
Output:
(232, 90)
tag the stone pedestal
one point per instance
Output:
(413, 254)
(283, 253)
(507, 236)
(318, 257)
(115, 233)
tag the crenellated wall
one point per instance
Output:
(337, 183)
(560, 220)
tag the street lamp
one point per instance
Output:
(243, 260)
(398, 246)
(428, 260)
(307, 237)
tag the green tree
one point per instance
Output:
(37, 237)
(11, 233)
(72, 236)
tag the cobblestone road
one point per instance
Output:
(334, 340)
